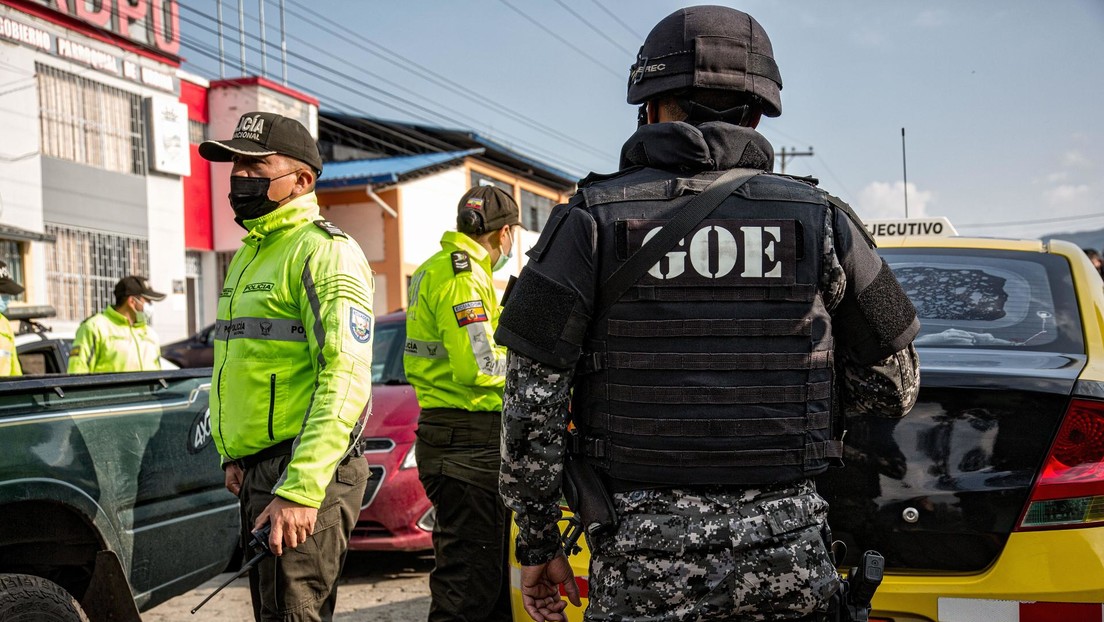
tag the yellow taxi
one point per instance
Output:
(987, 500)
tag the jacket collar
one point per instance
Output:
(120, 319)
(464, 242)
(712, 146)
(301, 209)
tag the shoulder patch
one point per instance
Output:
(470, 312)
(360, 325)
(331, 229)
(460, 262)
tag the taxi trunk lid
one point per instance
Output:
(941, 489)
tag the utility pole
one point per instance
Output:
(792, 153)
(904, 169)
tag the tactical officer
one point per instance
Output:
(707, 379)
(458, 373)
(120, 337)
(9, 359)
(293, 356)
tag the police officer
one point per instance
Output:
(293, 356)
(120, 337)
(458, 374)
(710, 392)
(9, 359)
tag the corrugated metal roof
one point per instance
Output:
(385, 170)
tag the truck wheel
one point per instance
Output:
(26, 598)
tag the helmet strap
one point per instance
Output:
(642, 115)
(696, 114)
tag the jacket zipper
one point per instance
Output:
(230, 305)
(271, 404)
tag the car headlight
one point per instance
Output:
(409, 461)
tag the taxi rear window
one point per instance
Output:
(980, 298)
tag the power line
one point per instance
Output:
(631, 31)
(443, 82)
(591, 26)
(557, 37)
(366, 121)
(198, 48)
(1041, 221)
(536, 150)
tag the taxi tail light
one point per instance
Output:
(1069, 491)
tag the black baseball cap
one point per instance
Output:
(496, 208)
(134, 285)
(261, 134)
(7, 284)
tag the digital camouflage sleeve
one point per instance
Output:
(534, 420)
(535, 413)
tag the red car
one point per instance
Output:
(395, 515)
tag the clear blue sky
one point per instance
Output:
(1002, 101)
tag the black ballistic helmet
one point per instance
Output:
(707, 47)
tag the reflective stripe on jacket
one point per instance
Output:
(9, 360)
(107, 342)
(293, 353)
(451, 358)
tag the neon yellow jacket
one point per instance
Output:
(451, 358)
(293, 356)
(107, 343)
(9, 360)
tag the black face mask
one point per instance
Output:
(249, 197)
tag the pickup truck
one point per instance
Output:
(111, 495)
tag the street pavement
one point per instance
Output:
(376, 587)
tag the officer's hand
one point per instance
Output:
(234, 476)
(540, 589)
(292, 524)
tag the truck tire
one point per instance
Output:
(27, 598)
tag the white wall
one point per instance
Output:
(165, 200)
(364, 223)
(20, 162)
(428, 210)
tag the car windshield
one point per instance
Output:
(980, 298)
(387, 353)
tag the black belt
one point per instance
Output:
(279, 450)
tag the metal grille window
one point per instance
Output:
(90, 123)
(535, 210)
(222, 258)
(83, 266)
(197, 132)
(11, 253)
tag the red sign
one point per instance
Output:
(152, 23)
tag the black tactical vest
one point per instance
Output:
(716, 367)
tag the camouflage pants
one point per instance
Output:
(713, 554)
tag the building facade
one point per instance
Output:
(100, 175)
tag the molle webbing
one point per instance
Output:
(676, 458)
(777, 293)
(791, 394)
(709, 328)
(713, 428)
(710, 361)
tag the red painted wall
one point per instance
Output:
(198, 234)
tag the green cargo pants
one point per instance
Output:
(458, 462)
(301, 585)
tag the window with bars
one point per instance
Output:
(83, 265)
(222, 265)
(11, 253)
(535, 210)
(197, 132)
(90, 123)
